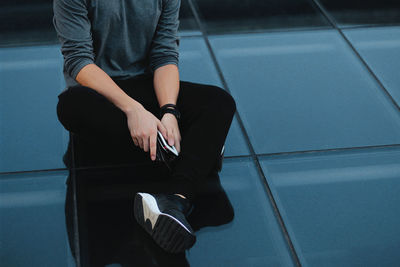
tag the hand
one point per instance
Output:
(173, 135)
(143, 126)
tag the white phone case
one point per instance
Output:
(170, 148)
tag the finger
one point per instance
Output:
(170, 137)
(146, 144)
(140, 141)
(162, 129)
(179, 140)
(153, 147)
(178, 134)
(135, 141)
(177, 144)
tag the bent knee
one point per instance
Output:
(67, 109)
(64, 115)
(224, 101)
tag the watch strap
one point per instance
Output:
(170, 108)
(169, 105)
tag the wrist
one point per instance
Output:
(131, 106)
(170, 109)
(166, 115)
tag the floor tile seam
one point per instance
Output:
(316, 151)
(277, 212)
(111, 166)
(27, 44)
(383, 25)
(277, 30)
(33, 171)
(266, 31)
(261, 173)
(191, 36)
(242, 156)
(332, 21)
(108, 167)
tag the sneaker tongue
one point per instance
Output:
(182, 204)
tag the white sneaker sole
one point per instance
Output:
(168, 232)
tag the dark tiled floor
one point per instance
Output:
(31, 136)
(306, 90)
(301, 87)
(187, 23)
(363, 12)
(380, 48)
(196, 64)
(254, 237)
(107, 227)
(253, 15)
(340, 208)
(32, 225)
(29, 22)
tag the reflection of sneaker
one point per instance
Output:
(163, 217)
(212, 206)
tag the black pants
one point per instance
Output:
(206, 115)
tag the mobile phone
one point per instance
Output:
(165, 146)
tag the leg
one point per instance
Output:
(100, 128)
(85, 112)
(207, 113)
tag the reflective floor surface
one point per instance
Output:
(311, 172)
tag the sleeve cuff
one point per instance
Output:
(80, 66)
(163, 62)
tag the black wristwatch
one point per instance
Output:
(170, 108)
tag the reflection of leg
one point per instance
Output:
(69, 218)
(212, 206)
(207, 112)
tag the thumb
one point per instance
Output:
(162, 129)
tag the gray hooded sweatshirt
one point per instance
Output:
(124, 38)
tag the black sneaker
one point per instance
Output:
(164, 218)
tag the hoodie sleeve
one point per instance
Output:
(74, 33)
(165, 43)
